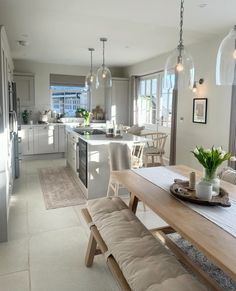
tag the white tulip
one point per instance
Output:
(222, 156)
(223, 152)
(196, 151)
(219, 149)
(233, 159)
(208, 151)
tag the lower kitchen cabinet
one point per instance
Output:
(46, 139)
(43, 139)
(27, 140)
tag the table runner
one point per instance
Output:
(224, 217)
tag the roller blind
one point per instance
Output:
(67, 80)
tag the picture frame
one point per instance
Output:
(200, 110)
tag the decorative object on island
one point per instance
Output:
(81, 112)
(91, 77)
(180, 62)
(98, 113)
(25, 116)
(211, 159)
(113, 130)
(225, 63)
(200, 110)
(104, 79)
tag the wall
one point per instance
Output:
(216, 131)
(42, 72)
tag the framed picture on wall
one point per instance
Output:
(200, 110)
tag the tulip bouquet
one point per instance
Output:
(211, 159)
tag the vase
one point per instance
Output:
(210, 176)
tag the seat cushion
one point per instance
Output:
(135, 129)
(144, 261)
(153, 151)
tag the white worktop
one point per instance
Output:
(102, 139)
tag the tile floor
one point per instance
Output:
(46, 248)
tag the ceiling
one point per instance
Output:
(60, 31)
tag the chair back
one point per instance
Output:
(137, 155)
(119, 156)
(156, 140)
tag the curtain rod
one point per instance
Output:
(153, 73)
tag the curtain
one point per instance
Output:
(172, 160)
(133, 100)
(67, 80)
(232, 132)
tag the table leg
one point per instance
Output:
(133, 203)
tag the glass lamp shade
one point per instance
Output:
(90, 81)
(179, 69)
(104, 78)
(226, 60)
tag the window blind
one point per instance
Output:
(67, 80)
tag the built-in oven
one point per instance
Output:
(82, 161)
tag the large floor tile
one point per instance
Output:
(15, 282)
(52, 219)
(57, 263)
(17, 226)
(13, 256)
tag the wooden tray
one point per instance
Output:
(180, 189)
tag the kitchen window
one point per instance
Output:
(154, 102)
(68, 93)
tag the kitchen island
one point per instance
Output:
(91, 161)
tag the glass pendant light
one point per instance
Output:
(226, 60)
(91, 77)
(179, 63)
(104, 78)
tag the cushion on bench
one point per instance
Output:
(144, 261)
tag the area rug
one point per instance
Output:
(60, 188)
(217, 274)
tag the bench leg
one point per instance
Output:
(91, 251)
(133, 203)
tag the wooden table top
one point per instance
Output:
(218, 245)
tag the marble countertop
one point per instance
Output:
(102, 139)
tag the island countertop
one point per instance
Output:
(102, 139)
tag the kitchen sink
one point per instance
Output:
(88, 131)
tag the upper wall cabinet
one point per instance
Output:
(25, 89)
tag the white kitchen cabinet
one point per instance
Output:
(117, 101)
(25, 89)
(27, 140)
(62, 139)
(46, 139)
(71, 151)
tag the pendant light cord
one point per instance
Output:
(103, 54)
(91, 64)
(181, 41)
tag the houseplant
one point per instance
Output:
(25, 116)
(211, 159)
(81, 112)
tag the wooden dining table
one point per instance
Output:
(215, 243)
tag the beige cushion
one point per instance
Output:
(153, 151)
(135, 129)
(228, 175)
(144, 261)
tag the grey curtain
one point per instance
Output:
(174, 123)
(232, 132)
(133, 99)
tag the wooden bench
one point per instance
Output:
(137, 260)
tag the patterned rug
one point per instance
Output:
(59, 188)
(217, 274)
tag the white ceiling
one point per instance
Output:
(60, 31)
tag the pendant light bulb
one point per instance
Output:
(104, 78)
(194, 87)
(226, 60)
(179, 67)
(90, 78)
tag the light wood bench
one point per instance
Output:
(137, 260)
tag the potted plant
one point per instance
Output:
(81, 112)
(211, 159)
(25, 116)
